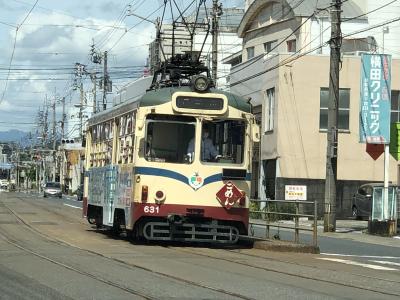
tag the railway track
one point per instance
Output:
(295, 274)
(68, 267)
(133, 292)
(181, 250)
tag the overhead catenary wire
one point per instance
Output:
(290, 59)
(137, 24)
(14, 46)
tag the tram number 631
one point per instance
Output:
(151, 209)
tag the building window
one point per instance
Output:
(269, 110)
(250, 52)
(395, 107)
(291, 46)
(344, 109)
(269, 46)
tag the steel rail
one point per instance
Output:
(169, 276)
(296, 275)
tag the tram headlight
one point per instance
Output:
(159, 197)
(200, 83)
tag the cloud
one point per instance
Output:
(43, 46)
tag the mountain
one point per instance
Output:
(13, 135)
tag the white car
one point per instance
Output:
(4, 184)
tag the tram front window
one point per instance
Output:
(167, 138)
(222, 141)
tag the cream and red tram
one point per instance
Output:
(141, 175)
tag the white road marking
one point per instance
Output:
(72, 206)
(71, 198)
(354, 263)
(385, 262)
(362, 256)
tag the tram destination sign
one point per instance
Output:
(203, 103)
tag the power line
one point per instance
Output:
(137, 24)
(313, 49)
(13, 50)
(367, 13)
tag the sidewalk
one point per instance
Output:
(355, 230)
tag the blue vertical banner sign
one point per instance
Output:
(375, 98)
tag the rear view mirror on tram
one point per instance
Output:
(255, 133)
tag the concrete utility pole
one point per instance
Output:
(54, 139)
(62, 146)
(105, 81)
(81, 111)
(157, 47)
(216, 13)
(63, 118)
(333, 113)
(94, 91)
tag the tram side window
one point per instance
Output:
(126, 138)
(167, 138)
(222, 141)
(108, 142)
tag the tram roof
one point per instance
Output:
(161, 96)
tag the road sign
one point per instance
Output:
(394, 146)
(375, 150)
(228, 195)
(295, 192)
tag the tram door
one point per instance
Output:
(109, 201)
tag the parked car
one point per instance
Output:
(79, 192)
(52, 189)
(362, 200)
(4, 184)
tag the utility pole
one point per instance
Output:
(80, 111)
(333, 113)
(157, 57)
(54, 139)
(45, 132)
(62, 146)
(94, 91)
(63, 118)
(216, 13)
(105, 81)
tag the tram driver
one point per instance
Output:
(208, 151)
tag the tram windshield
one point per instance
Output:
(167, 138)
(222, 141)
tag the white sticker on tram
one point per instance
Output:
(354, 263)
(72, 206)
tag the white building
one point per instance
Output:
(288, 91)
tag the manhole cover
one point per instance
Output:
(43, 223)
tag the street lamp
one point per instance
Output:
(385, 30)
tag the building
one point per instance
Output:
(285, 71)
(228, 41)
(71, 158)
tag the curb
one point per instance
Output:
(281, 246)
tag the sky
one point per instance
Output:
(57, 34)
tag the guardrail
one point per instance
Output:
(266, 212)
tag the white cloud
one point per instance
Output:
(39, 45)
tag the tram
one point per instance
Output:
(175, 163)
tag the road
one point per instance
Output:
(49, 252)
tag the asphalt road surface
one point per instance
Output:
(47, 251)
